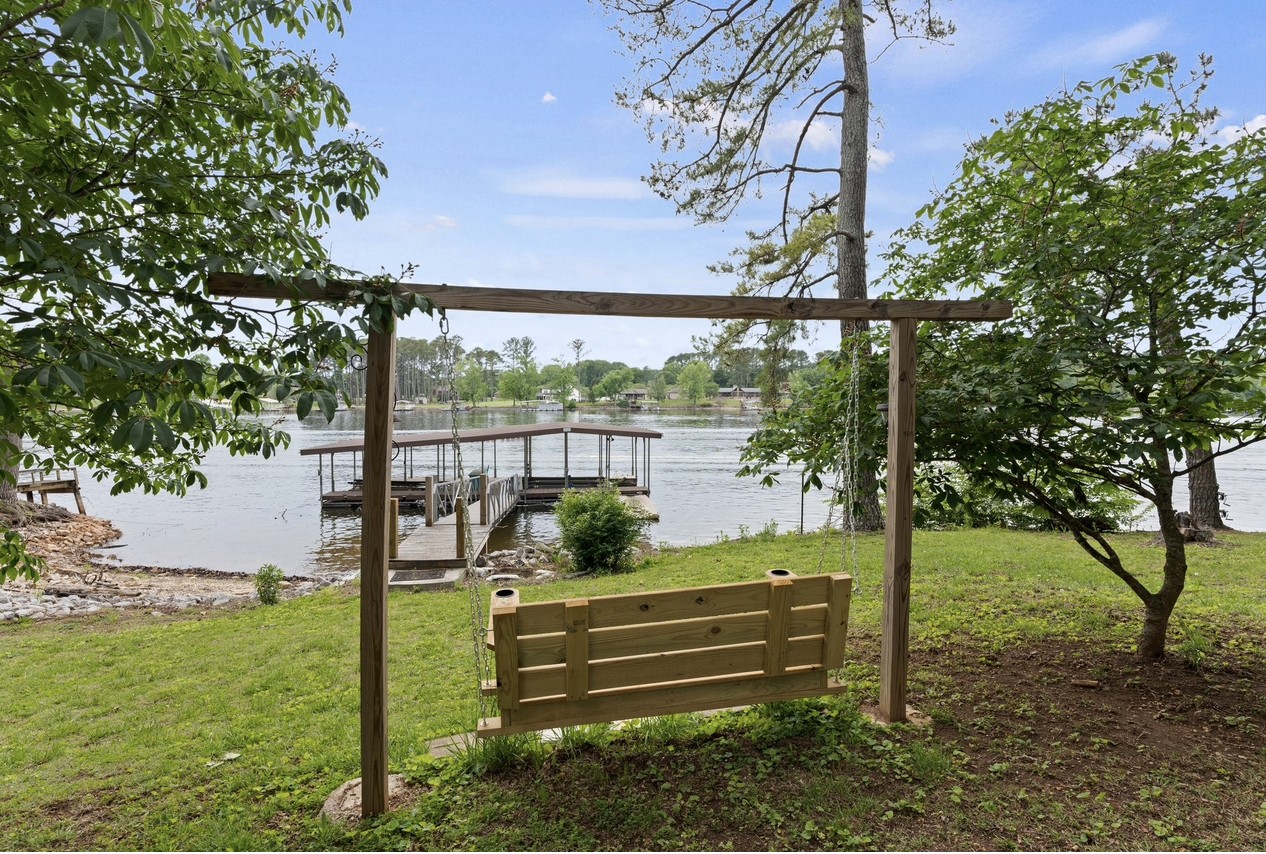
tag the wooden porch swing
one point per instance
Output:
(642, 654)
(605, 658)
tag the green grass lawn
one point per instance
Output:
(110, 727)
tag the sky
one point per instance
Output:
(512, 166)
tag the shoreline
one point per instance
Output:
(78, 581)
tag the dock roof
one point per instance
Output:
(491, 434)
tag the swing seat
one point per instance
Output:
(635, 655)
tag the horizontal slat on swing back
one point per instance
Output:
(609, 658)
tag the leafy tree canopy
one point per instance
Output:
(1132, 238)
(1130, 235)
(148, 145)
(695, 382)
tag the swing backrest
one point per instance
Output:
(609, 658)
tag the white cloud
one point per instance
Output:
(1107, 49)
(878, 158)
(563, 186)
(821, 135)
(1230, 133)
(597, 223)
(439, 222)
(986, 31)
(549, 98)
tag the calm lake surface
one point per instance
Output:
(259, 511)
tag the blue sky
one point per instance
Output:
(511, 166)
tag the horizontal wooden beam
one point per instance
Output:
(524, 301)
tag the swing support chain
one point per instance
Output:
(478, 617)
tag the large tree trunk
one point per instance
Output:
(1160, 605)
(10, 450)
(850, 241)
(1205, 498)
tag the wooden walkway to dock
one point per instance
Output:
(434, 556)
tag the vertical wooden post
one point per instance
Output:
(393, 537)
(463, 519)
(483, 499)
(899, 526)
(380, 368)
(566, 470)
(429, 497)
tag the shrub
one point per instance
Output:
(268, 583)
(598, 530)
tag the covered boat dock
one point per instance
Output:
(413, 464)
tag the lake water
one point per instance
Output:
(259, 511)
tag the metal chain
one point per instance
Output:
(478, 617)
(845, 485)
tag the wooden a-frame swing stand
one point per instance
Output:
(776, 638)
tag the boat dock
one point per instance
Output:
(433, 555)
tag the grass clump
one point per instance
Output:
(599, 531)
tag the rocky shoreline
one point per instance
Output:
(80, 581)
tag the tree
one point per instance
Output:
(518, 384)
(753, 91)
(470, 381)
(695, 382)
(593, 370)
(1132, 238)
(487, 360)
(613, 382)
(146, 146)
(520, 352)
(658, 387)
(559, 381)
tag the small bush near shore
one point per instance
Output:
(599, 531)
(268, 583)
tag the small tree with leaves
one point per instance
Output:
(1131, 237)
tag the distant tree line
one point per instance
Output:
(435, 369)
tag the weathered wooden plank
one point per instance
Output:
(527, 301)
(899, 527)
(663, 701)
(380, 371)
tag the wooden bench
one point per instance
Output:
(634, 655)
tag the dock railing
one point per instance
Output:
(499, 497)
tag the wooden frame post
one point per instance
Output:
(380, 370)
(899, 526)
(428, 498)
